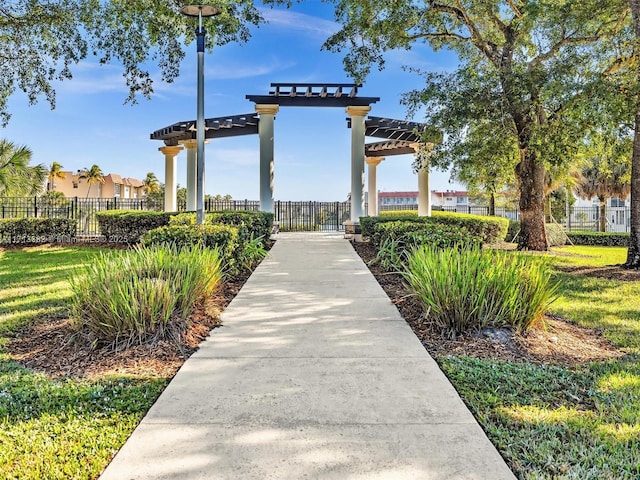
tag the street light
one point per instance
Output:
(200, 11)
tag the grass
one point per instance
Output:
(57, 428)
(552, 422)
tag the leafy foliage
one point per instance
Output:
(222, 237)
(128, 226)
(128, 297)
(43, 39)
(488, 229)
(17, 177)
(609, 239)
(37, 230)
(471, 289)
(256, 225)
(531, 71)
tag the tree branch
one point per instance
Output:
(488, 48)
(514, 8)
(444, 34)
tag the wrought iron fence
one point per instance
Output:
(291, 216)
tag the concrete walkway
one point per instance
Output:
(314, 375)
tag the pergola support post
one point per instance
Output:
(424, 192)
(373, 163)
(357, 114)
(170, 178)
(267, 114)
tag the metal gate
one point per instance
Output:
(311, 216)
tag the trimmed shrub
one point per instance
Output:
(437, 235)
(399, 213)
(222, 237)
(256, 225)
(555, 233)
(129, 297)
(128, 226)
(37, 230)
(608, 239)
(463, 290)
(489, 229)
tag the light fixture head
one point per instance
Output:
(200, 11)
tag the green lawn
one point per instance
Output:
(574, 423)
(57, 428)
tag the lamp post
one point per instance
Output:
(200, 11)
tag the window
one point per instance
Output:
(75, 184)
(461, 200)
(116, 190)
(616, 202)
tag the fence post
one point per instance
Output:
(35, 207)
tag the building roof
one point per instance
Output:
(397, 194)
(451, 193)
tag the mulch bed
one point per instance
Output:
(558, 341)
(51, 347)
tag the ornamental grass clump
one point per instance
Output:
(130, 297)
(472, 289)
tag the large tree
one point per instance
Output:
(41, 40)
(633, 254)
(537, 58)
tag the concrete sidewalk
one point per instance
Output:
(314, 375)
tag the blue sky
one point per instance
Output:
(90, 124)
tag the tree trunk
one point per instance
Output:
(633, 254)
(492, 204)
(602, 218)
(530, 173)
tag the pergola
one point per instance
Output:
(401, 137)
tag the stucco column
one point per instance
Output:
(170, 179)
(357, 114)
(373, 163)
(192, 173)
(265, 130)
(424, 193)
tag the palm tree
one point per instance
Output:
(151, 183)
(17, 177)
(604, 181)
(92, 175)
(55, 172)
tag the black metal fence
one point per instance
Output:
(291, 216)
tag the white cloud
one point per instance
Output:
(231, 70)
(234, 157)
(293, 21)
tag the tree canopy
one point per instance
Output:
(528, 65)
(41, 41)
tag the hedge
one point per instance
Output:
(420, 233)
(128, 226)
(250, 224)
(489, 229)
(37, 230)
(225, 237)
(610, 239)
